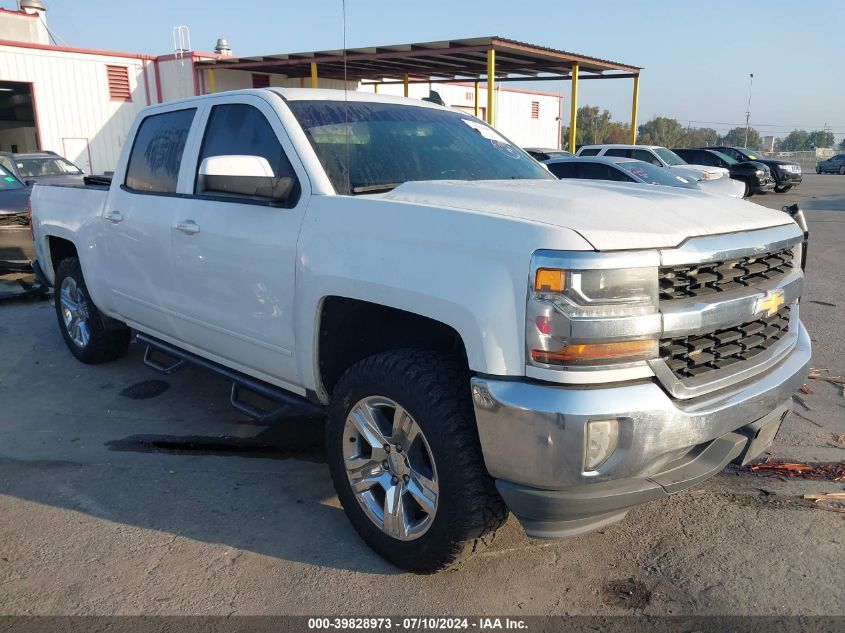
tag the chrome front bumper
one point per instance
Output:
(532, 436)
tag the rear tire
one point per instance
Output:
(433, 391)
(90, 336)
(783, 189)
(842, 170)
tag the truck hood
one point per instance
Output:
(608, 215)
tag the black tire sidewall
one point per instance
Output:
(458, 503)
(102, 344)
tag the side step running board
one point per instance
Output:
(287, 403)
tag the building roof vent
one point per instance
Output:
(223, 47)
(32, 6)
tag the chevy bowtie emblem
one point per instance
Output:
(771, 303)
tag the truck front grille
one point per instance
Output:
(695, 280)
(692, 356)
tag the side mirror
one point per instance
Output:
(243, 175)
(29, 183)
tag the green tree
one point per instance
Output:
(736, 138)
(618, 133)
(820, 138)
(661, 131)
(700, 137)
(592, 125)
(796, 141)
(842, 144)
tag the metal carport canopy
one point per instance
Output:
(487, 59)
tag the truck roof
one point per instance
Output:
(309, 94)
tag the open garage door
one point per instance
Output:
(18, 132)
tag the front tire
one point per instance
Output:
(90, 336)
(406, 461)
(842, 170)
(783, 189)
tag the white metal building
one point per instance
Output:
(81, 102)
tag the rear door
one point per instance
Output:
(235, 264)
(138, 218)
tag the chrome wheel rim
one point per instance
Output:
(390, 468)
(75, 313)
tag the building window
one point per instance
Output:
(118, 77)
(535, 109)
(260, 81)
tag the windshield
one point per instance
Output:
(748, 153)
(669, 157)
(387, 144)
(8, 181)
(654, 175)
(728, 159)
(34, 167)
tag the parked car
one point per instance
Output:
(545, 153)
(42, 168)
(709, 179)
(16, 250)
(479, 335)
(833, 165)
(660, 156)
(755, 175)
(787, 174)
(618, 170)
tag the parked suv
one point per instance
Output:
(478, 335)
(787, 174)
(833, 165)
(42, 168)
(755, 175)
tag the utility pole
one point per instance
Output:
(748, 109)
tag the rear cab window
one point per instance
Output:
(589, 152)
(156, 155)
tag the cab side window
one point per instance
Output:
(621, 152)
(564, 170)
(241, 130)
(589, 152)
(156, 155)
(645, 155)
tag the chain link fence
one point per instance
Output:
(807, 159)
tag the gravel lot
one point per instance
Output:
(124, 496)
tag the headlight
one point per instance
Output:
(760, 173)
(614, 292)
(592, 309)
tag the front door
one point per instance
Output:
(235, 255)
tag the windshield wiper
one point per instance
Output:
(387, 186)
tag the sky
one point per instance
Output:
(696, 56)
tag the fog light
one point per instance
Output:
(601, 441)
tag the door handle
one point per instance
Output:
(113, 216)
(188, 227)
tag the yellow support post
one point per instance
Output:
(375, 88)
(211, 80)
(313, 74)
(491, 86)
(405, 82)
(476, 99)
(634, 105)
(573, 109)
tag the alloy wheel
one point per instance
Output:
(75, 313)
(390, 468)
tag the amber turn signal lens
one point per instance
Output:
(596, 352)
(549, 280)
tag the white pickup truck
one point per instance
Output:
(482, 336)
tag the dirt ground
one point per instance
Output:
(124, 492)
